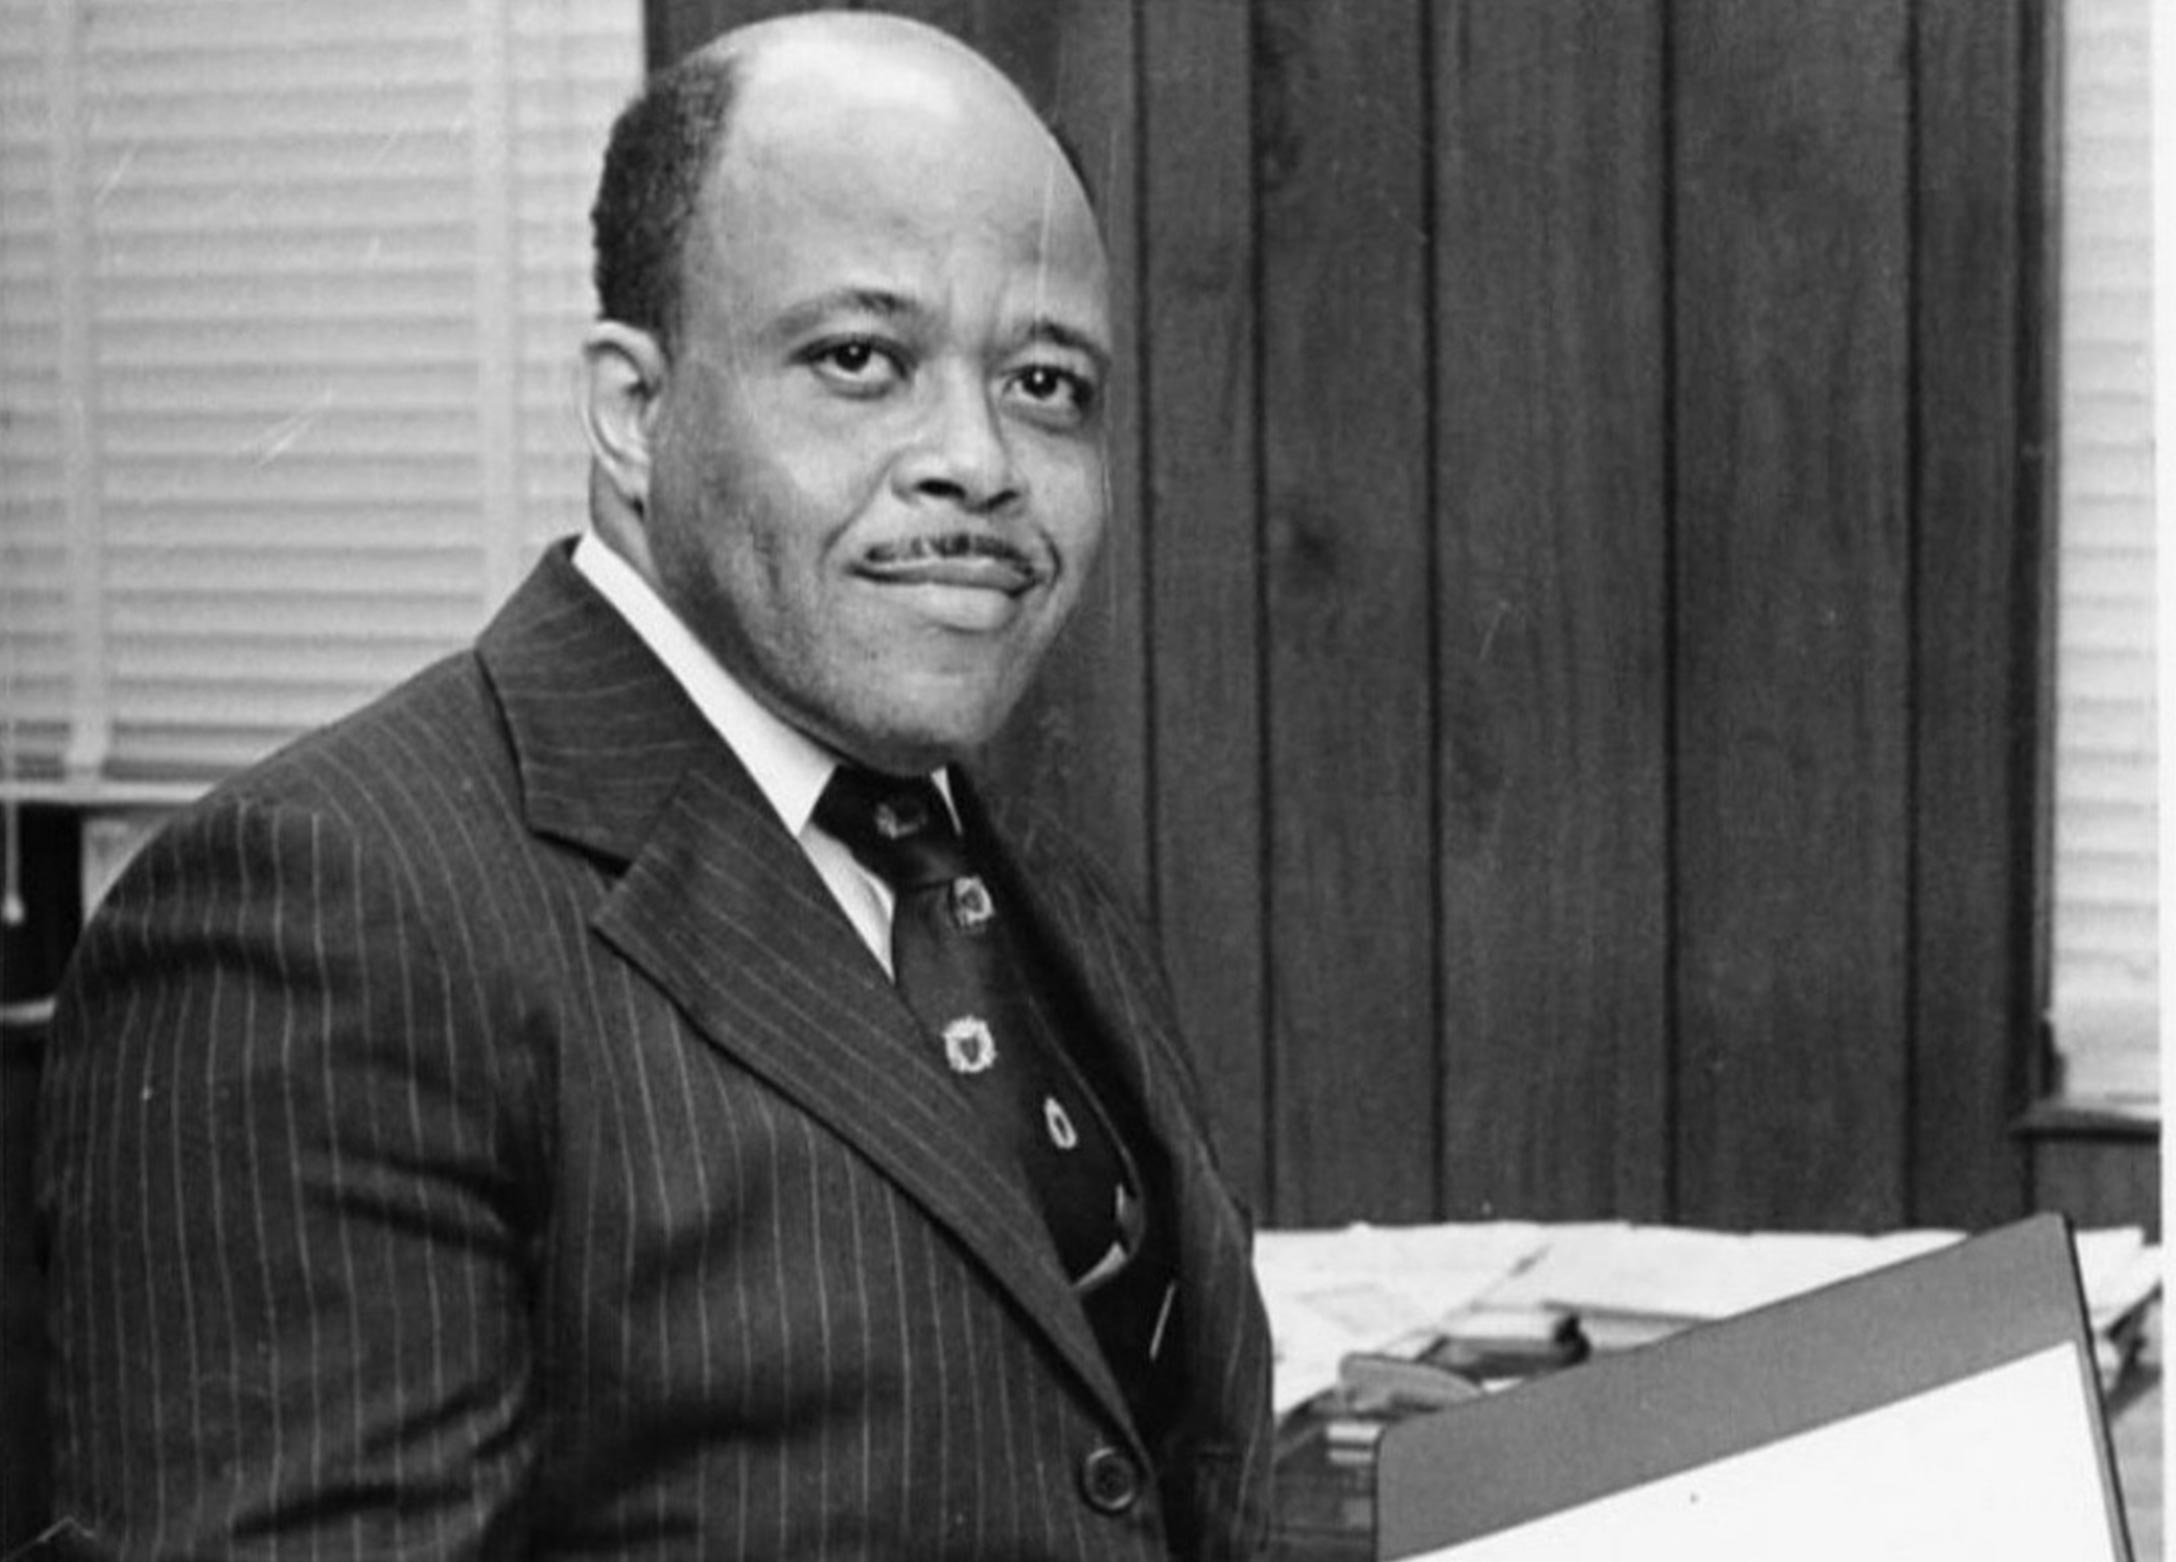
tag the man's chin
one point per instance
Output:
(917, 735)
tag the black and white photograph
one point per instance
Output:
(1305, 780)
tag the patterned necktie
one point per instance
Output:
(959, 967)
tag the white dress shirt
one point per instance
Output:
(789, 766)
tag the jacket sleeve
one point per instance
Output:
(286, 1244)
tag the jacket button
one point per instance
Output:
(1110, 1480)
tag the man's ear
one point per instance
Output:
(623, 383)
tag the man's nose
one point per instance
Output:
(961, 454)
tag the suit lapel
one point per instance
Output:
(721, 909)
(726, 915)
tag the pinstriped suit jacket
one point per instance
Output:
(476, 1131)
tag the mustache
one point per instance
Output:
(952, 545)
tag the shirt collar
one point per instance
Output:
(789, 767)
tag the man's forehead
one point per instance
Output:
(887, 102)
(832, 223)
(907, 183)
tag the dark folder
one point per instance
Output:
(1936, 1408)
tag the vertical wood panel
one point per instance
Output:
(2039, 284)
(1975, 620)
(1345, 441)
(1789, 221)
(1552, 526)
(1205, 560)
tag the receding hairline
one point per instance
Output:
(752, 53)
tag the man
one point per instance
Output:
(535, 1115)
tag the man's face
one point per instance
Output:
(877, 473)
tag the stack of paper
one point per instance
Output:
(1366, 1288)
(1389, 1288)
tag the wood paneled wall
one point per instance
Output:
(1567, 679)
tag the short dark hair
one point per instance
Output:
(663, 147)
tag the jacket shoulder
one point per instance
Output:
(441, 722)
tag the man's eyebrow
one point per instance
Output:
(1058, 334)
(881, 302)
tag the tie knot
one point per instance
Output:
(899, 828)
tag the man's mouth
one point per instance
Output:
(964, 559)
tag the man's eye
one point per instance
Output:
(1057, 390)
(857, 364)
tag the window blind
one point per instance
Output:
(37, 565)
(2106, 917)
(290, 299)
